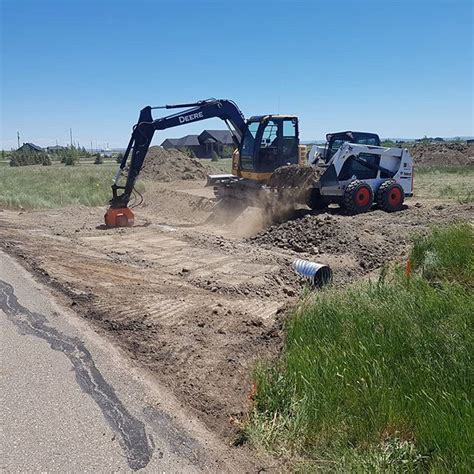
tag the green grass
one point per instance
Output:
(36, 187)
(445, 182)
(447, 254)
(224, 165)
(378, 377)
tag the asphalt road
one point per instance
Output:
(70, 401)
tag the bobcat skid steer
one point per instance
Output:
(358, 176)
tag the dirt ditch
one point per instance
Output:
(194, 298)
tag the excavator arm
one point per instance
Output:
(142, 136)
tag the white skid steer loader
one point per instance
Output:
(358, 176)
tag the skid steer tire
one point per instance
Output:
(358, 197)
(390, 196)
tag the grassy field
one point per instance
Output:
(37, 187)
(448, 182)
(41, 187)
(378, 377)
(222, 166)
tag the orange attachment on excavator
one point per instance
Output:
(119, 217)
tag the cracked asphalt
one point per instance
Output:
(69, 402)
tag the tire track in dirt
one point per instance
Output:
(201, 340)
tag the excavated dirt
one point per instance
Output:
(365, 241)
(195, 298)
(172, 165)
(294, 176)
(440, 154)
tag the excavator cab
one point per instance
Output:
(270, 141)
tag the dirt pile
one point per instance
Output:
(365, 241)
(294, 176)
(443, 154)
(326, 234)
(171, 165)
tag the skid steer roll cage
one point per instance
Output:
(146, 126)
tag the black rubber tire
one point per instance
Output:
(390, 196)
(352, 202)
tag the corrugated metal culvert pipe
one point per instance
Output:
(317, 273)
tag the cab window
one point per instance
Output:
(289, 152)
(268, 154)
(248, 146)
(367, 141)
(335, 145)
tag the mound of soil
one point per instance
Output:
(370, 239)
(443, 154)
(294, 176)
(327, 234)
(302, 235)
(171, 165)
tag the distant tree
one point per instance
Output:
(98, 159)
(70, 160)
(119, 157)
(25, 158)
(188, 152)
(214, 156)
(388, 143)
(227, 151)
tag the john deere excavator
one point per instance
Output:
(263, 144)
(271, 168)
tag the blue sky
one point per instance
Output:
(399, 68)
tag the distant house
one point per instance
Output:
(189, 141)
(30, 148)
(203, 144)
(55, 148)
(470, 141)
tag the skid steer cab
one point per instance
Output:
(357, 176)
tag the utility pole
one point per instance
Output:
(18, 138)
(91, 146)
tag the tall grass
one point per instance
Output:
(446, 254)
(376, 377)
(445, 182)
(36, 187)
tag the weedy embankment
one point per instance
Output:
(378, 377)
